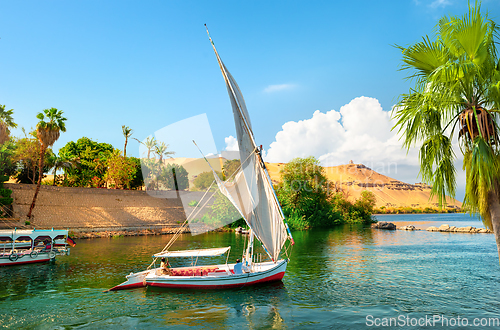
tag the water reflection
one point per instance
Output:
(258, 306)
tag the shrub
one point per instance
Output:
(205, 179)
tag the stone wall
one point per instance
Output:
(94, 209)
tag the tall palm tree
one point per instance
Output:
(127, 132)
(457, 91)
(6, 122)
(47, 132)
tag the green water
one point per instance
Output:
(335, 279)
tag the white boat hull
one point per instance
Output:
(222, 279)
(9, 259)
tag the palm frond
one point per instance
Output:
(482, 167)
(424, 57)
(436, 166)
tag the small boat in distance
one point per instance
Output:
(29, 246)
(251, 192)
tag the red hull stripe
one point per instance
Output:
(276, 277)
(24, 262)
(127, 286)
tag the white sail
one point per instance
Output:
(251, 190)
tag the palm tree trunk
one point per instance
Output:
(39, 183)
(125, 148)
(494, 204)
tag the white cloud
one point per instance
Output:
(360, 131)
(231, 143)
(440, 3)
(278, 88)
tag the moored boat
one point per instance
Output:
(251, 192)
(30, 246)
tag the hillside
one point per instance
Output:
(354, 178)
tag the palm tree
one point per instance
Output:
(150, 144)
(6, 121)
(59, 163)
(457, 90)
(47, 132)
(161, 150)
(127, 132)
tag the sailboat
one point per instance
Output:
(251, 192)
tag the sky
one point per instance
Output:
(319, 77)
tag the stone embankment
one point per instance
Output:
(94, 212)
(453, 229)
(443, 228)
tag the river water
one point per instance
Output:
(350, 277)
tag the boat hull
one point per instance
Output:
(266, 272)
(261, 273)
(134, 280)
(7, 260)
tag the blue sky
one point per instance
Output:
(149, 64)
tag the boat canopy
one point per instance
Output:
(193, 253)
(31, 234)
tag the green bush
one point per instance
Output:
(305, 196)
(205, 179)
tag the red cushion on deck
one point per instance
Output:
(194, 271)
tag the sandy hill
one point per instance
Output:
(354, 178)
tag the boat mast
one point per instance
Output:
(239, 109)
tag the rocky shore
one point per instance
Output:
(108, 233)
(140, 231)
(443, 228)
(449, 229)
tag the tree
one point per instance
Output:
(138, 180)
(47, 132)
(150, 144)
(366, 201)
(175, 177)
(7, 168)
(305, 195)
(8, 164)
(359, 211)
(205, 179)
(223, 213)
(120, 170)
(457, 88)
(127, 132)
(231, 166)
(6, 122)
(92, 157)
(27, 158)
(161, 150)
(58, 163)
